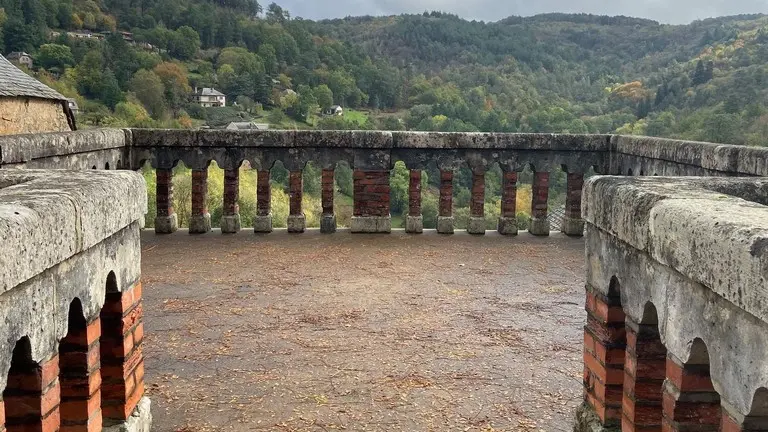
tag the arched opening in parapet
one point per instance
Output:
(246, 197)
(106, 166)
(215, 201)
(430, 195)
(24, 400)
(524, 197)
(111, 283)
(646, 358)
(150, 178)
(629, 172)
(462, 196)
(642, 172)
(758, 413)
(343, 200)
(494, 189)
(79, 373)
(689, 386)
(557, 197)
(182, 193)
(279, 178)
(94, 167)
(311, 193)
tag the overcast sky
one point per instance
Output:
(666, 11)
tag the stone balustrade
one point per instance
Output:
(70, 300)
(677, 317)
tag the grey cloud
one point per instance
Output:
(666, 11)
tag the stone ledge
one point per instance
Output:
(47, 216)
(15, 149)
(694, 225)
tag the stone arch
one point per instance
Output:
(629, 172)
(106, 166)
(690, 397)
(111, 283)
(31, 397)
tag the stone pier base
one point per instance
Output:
(539, 227)
(445, 224)
(166, 224)
(507, 226)
(230, 224)
(476, 226)
(573, 227)
(371, 224)
(297, 223)
(587, 421)
(414, 224)
(328, 224)
(140, 420)
(262, 224)
(200, 224)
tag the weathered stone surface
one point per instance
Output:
(200, 224)
(698, 256)
(297, 223)
(140, 421)
(414, 224)
(476, 225)
(49, 216)
(445, 224)
(262, 224)
(371, 224)
(507, 226)
(328, 224)
(572, 226)
(63, 149)
(588, 421)
(166, 224)
(230, 224)
(539, 227)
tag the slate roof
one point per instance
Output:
(15, 83)
(210, 92)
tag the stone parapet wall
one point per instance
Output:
(677, 326)
(70, 297)
(86, 149)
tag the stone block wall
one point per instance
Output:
(70, 297)
(677, 322)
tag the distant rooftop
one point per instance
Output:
(206, 91)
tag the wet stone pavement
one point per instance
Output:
(395, 332)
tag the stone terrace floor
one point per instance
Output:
(350, 332)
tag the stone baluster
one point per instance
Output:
(573, 224)
(508, 219)
(445, 217)
(200, 219)
(262, 222)
(371, 202)
(477, 204)
(328, 221)
(540, 192)
(643, 377)
(297, 223)
(414, 222)
(166, 221)
(80, 375)
(230, 221)
(690, 399)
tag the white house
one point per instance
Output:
(20, 58)
(334, 111)
(209, 97)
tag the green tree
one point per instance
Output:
(55, 56)
(184, 43)
(324, 96)
(150, 91)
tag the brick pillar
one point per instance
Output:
(604, 350)
(690, 400)
(200, 219)
(540, 192)
(31, 398)
(122, 361)
(643, 378)
(573, 224)
(81, 378)
(230, 220)
(328, 221)
(477, 204)
(736, 422)
(414, 222)
(445, 218)
(262, 222)
(508, 220)
(296, 221)
(166, 221)
(371, 202)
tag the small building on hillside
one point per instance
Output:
(20, 58)
(29, 106)
(247, 126)
(209, 97)
(335, 110)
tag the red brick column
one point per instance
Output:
(508, 220)
(230, 221)
(540, 192)
(573, 224)
(328, 221)
(690, 400)
(262, 222)
(643, 379)
(740, 423)
(200, 219)
(477, 204)
(371, 202)
(166, 221)
(604, 350)
(414, 222)
(296, 220)
(445, 217)
(122, 361)
(31, 398)
(80, 378)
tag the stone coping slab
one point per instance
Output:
(24, 148)
(711, 230)
(47, 216)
